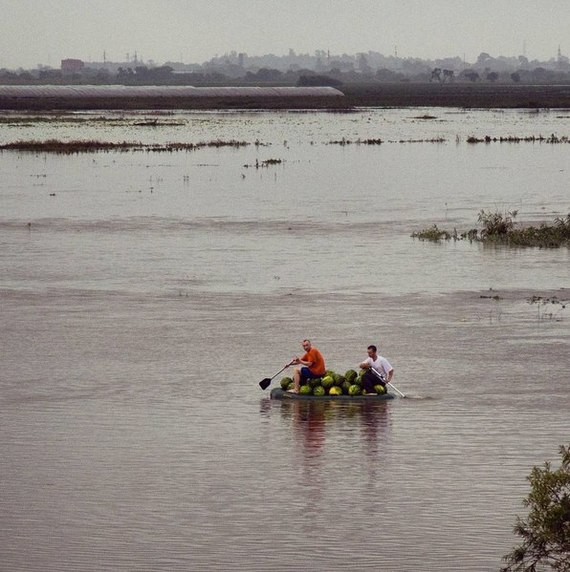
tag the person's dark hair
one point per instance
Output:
(373, 348)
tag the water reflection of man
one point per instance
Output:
(380, 365)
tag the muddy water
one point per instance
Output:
(151, 292)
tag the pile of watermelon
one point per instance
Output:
(332, 383)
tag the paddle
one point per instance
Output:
(264, 383)
(387, 382)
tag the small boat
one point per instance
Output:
(278, 393)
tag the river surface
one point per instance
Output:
(145, 294)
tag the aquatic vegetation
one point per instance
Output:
(548, 308)
(344, 142)
(500, 228)
(433, 234)
(434, 140)
(266, 163)
(70, 147)
(551, 139)
(58, 118)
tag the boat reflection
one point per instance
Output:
(360, 429)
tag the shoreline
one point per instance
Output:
(458, 95)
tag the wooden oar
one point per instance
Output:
(264, 383)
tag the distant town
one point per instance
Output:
(318, 69)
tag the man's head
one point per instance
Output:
(306, 345)
(372, 351)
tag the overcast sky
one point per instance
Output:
(36, 32)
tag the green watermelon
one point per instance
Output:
(305, 390)
(285, 383)
(319, 391)
(328, 381)
(354, 390)
(350, 375)
(379, 389)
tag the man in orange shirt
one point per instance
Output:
(312, 362)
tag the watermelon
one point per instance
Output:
(285, 383)
(305, 390)
(379, 389)
(328, 381)
(335, 390)
(319, 391)
(350, 375)
(354, 390)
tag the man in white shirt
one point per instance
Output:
(380, 365)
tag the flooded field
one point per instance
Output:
(145, 292)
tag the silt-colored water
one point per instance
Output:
(144, 296)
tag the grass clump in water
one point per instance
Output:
(433, 234)
(92, 146)
(500, 228)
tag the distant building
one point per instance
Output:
(72, 66)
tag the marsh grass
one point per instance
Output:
(433, 234)
(342, 142)
(551, 139)
(93, 146)
(500, 228)
(548, 308)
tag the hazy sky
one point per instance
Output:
(46, 31)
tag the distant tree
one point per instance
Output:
(141, 71)
(539, 73)
(318, 80)
(471, 75)
(516, 77)
(483, 58)
(436, 74)
(448, 75)
(267, 74)
(363, 65)
(386, 75)
(492, 76)
(546, 531)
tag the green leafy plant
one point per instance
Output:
(545, 532)
(433, 234)
(496, 224)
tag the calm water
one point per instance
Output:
(152, 291)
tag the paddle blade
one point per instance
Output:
(264, 383)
